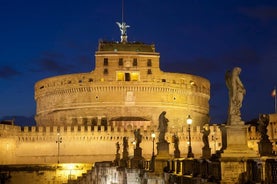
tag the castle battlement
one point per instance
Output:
(39, 144)
(100, 133)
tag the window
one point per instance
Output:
(105, 71)
(149, 62)
(135, 62)
(120, 62)
(149, 71)
(106, 62)
(134, 76)
(127, 77)
(163, 80)
(120, 76)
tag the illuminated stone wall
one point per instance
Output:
(114, 90)
(80, 144)
(43, 174)
(37, 144)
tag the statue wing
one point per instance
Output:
(119, 25)
(228, 81)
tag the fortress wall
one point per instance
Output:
(71, 81)
(93, 101)
(37, 145)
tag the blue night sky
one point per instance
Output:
(41, 39)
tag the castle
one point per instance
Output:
(81, 117)
(126, 88)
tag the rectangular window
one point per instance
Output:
(127, 77)
(135, 62)
(149, 71)
(105, 71)
(106, 62)
(149, 62)
(120, 76)
(120, 62)
(134, 76)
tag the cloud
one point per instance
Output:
(7, 72)
(51, 65)
(262, 13)
(53, 62)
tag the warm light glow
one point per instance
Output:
(70, 166)
(120, 76)
(134, 76)
(189, 120)
(72, 170)
(153, 135)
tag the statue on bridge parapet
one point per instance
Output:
(206, 150)
(176, 146)
(265, 146)
(163, 124)
(205, 138)
(138, 137)
(117, 155)
(125, 155)
(236, 94)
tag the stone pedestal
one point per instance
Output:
(117, 159)
(206, 152)
(234, 157)
(162, 156)
(176, 153)
(265, 148)
(137, 160)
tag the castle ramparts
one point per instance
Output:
(39, 144)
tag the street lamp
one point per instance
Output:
(153, 135)
(152, 164)
(59, 141)
(190, 154)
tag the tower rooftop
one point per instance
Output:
(126, 46)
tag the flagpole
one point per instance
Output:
(275, 98)
(274, 95)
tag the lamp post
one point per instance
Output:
(152, 164)
(59, 141)
(190, 154)
(153, 135)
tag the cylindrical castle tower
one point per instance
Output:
(126, 87)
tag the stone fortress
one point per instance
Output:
(81, 117)
(126, 87)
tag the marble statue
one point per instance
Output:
(236, 94)
(138, 137)
(205, 137)
(117, 147)
(263, 123)
(163, 124)
(176, 146)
